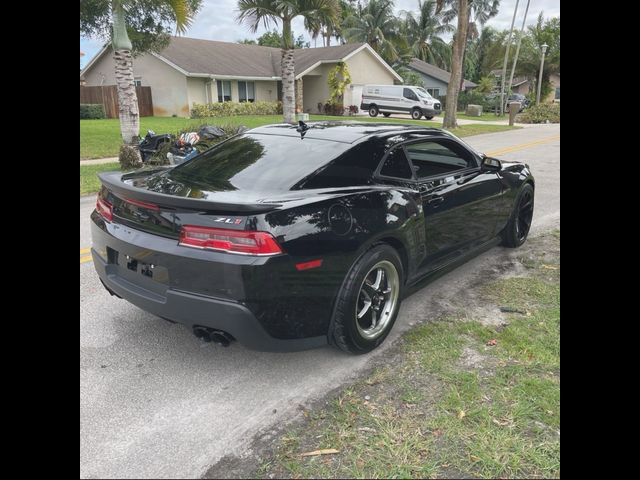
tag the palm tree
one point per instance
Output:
(480, 11)
(459, 44)
(267, 12)
(423, 33)
(127, 99)
(375, 24)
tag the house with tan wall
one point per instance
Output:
(192, 71)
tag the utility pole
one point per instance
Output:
(544, 50)
(515, 60)
(506, 58)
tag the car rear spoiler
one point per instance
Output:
(113, 181)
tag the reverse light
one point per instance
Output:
(105, 209)
(232, 241)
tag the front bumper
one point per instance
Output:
(430, 111)
(190, 308)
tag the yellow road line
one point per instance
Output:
(84, 250)
(522, 146)
(85, 259)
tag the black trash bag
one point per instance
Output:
(209, 132)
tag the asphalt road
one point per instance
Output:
(156, 402)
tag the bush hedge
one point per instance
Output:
(541, 113)
(227, 109)
(92, 110)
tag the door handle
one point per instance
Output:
(435, 200)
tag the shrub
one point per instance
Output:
(541, 113)
(228, 109)
(91, 111)
(473, 97)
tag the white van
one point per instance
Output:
(388, 99)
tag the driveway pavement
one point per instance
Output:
(156, 402)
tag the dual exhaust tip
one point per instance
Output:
(212, 335)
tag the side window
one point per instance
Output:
(410, 94)
(432, 158)
(396, 165)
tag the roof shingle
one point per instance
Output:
(237, 59)
(436, 72)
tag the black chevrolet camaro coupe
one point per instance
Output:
(287, 238)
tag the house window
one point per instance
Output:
(137, 81)
(246, 91)
(557, 93)
(224, 90)
(434, 92)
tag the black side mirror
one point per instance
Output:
(491, 164)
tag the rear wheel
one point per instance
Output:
(386, 115)
(517, 229)
(368, 303)
(428, 118)
(373, 111)
(416, 113)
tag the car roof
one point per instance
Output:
(342, 131)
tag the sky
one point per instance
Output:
(216, 21)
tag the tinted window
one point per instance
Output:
(257, 163)
(438, 158)
(396, 165)
(353, 168)
(410, 94)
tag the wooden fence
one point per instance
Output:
(107, 95)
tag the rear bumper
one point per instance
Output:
(187, 307)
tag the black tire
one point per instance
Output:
(347, 331)
(373, 111)
(429, 118)
(519, 224)
(416, 114)
(386, 115)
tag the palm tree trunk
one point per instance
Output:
(127, 98)
(464, 56)
(288, 74)
(456, 66)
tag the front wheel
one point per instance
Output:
(368, 302)
(373, 111)
(517, 229)
(416, 114)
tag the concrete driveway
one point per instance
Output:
(156, 402)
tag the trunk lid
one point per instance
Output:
(164, 214)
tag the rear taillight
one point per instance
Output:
(105, 209)
(233, 241)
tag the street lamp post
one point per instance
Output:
(544, 50)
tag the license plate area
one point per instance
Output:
(133, 267)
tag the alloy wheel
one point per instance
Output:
(377, 299)
(525, 215)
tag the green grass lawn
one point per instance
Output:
(89, 182)
(462, 399)
(101, 138)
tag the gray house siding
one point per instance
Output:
(430, 82)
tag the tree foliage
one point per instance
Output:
(338, 79)
(150, 23)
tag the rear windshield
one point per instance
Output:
(258, 163)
